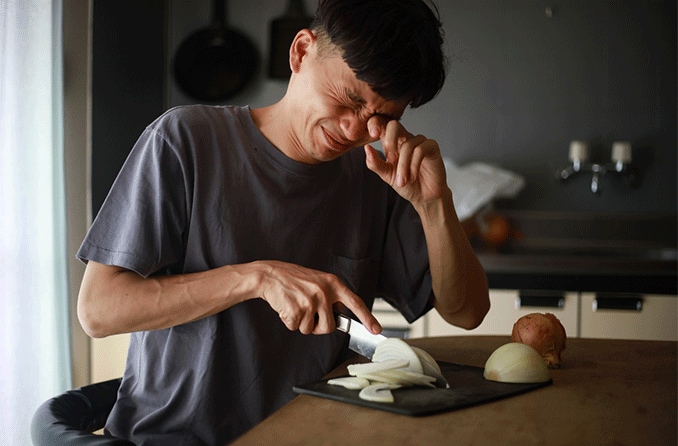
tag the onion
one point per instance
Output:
(516, 363)
(372, 367)
(400, 377)
(392, 349)
(431, 367)
(350, 382)
(396, 364)
(544, 333)
(380, 392)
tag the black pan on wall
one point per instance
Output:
(215, 62)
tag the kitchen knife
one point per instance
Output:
(361, 340)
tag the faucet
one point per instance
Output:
(620, 165)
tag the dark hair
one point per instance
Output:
(395, 46)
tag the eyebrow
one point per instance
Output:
(355, 97)
(358, 99)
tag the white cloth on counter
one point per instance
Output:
(476, 184)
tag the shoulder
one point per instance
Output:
(198, 125)
(200, 117)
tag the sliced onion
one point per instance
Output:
(400, 377)
(431, 367)
(396, 349)
(372, 367)
(380, 392)
(350, 382)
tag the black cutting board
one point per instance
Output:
(467, 388)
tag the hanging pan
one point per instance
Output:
(283, 31)
(215, 62)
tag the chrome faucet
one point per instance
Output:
(620, 165)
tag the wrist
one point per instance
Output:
(440, 209)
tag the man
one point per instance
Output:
(231, 234)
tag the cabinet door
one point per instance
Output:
(646, 317)
(505, 310)
(394, 324)
(109, 356)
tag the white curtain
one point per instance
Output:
(34, 338)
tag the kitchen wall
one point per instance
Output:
(525, 78)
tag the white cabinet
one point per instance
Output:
(648, 317)
(586, 315)
(507, 307)
(108, 356)
(393, 324)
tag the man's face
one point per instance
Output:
(334, 108)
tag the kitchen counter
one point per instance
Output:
(580, 273)
(609, 392)
(584, 252)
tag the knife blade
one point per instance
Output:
(361, 340)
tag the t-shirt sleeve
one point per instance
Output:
(141, 223)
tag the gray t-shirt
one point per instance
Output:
(203, 188)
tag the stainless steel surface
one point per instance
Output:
(361, 340)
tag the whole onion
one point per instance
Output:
(544, 333)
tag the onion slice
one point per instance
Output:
(379, 393)
(431, 367)
(350, 382)
(400, 377)
(392, 349)
(374, 367)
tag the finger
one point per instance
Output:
(358, 307)
(289, 322)
(410, 156)
(417, 150)
(324, 322)
(391, 140)
(378, 165)
(376, 126)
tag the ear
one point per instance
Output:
(302, 44)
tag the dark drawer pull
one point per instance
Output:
(545, 299)
(618, 303)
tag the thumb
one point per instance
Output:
(376, 164)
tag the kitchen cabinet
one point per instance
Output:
(393, 324)
(507, 306)
(109, 356)
(586, 315)
(642, 317)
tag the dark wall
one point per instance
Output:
(522, 85)
(127, 82)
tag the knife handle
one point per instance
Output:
(343, 322)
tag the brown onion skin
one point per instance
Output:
(544, 333)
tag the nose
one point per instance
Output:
(354, 127)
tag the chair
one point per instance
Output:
(70, 418)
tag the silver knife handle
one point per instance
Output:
(343, 322)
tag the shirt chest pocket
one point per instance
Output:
(360, 275)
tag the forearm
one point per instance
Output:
(114, 300)
(459, 280)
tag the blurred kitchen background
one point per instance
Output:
(526, 78)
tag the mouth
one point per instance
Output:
(336, 143)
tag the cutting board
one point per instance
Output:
(467, 388)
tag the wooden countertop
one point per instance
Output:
(609, 392)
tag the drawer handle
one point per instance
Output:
(540, 301)
(618, 303)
